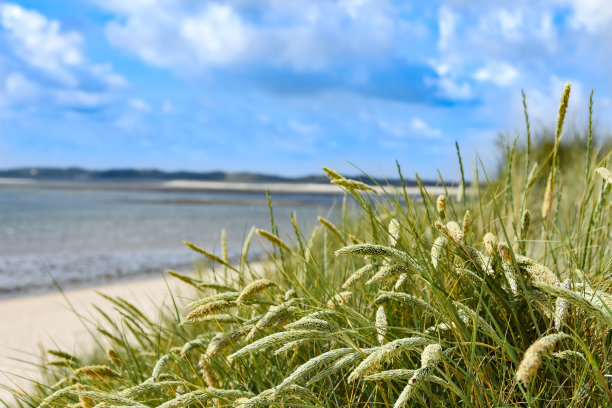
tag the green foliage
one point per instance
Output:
(368, 311)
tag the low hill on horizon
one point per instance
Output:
(77, 173)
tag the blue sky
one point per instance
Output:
(284, 87)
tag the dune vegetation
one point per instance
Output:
(497, 294)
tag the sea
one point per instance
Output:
(63, 238)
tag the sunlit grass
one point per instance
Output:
(495, 294)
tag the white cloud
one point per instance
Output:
(139, 105)
(452, 88)
(510, 22)
(397, 130)
(446, 26)
(40, 43)
(475, 35)
(500, 73)
(77, 99)
(303, 128)
(424, 129)
(592, 15)
(50, 60)
(416, 127)
(217, 36)
(190, 38)
(19, 88)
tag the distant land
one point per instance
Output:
(80, 174)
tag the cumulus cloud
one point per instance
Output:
(500, 73)
(594, 16)
(46, 64)
(424, 129)
(310, 77)
(301, 35)
(415, 128)
(291, 47)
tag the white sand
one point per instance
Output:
(30, 325)
(195, 185)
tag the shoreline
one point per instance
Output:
(206, 186)
(102, 282)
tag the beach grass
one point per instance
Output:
(497, 293)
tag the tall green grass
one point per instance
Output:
(495, 294)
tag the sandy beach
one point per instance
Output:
(30, 325)
(212, 186)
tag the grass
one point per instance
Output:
(498, 296)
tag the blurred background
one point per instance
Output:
(271, 87)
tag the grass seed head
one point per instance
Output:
(307, 323)
(222, 341)
(605, 174)
(215, 318)
(467, 222)
(275, 317)
(547, 202)
(313, 365)
(394, 232)
(534, 355)
(229, 296)
(490, 242)
(160, 366)
(273, 239)
(391, 375)
(388, 272)
(386, 353)
(562, 109)
(587, 303)
(400, 282)
(570, 355)
(455, 232)
(97, 372)
(504, 252)
(208, 309)
(254, 288)
(113, 356)
(537, 271)
(200, 397)
(379, 250)
(208, 374)
(441, 206)
(359, 274)
(432, 355)
(290, 294)
(332, 174)
(277, 339)
(436, 250)
(525, 221)
(381, 324)
(84, 401)
(354, 185)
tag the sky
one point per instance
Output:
(285, 87)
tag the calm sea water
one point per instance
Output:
(71, 238)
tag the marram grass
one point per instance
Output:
(497, 294)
